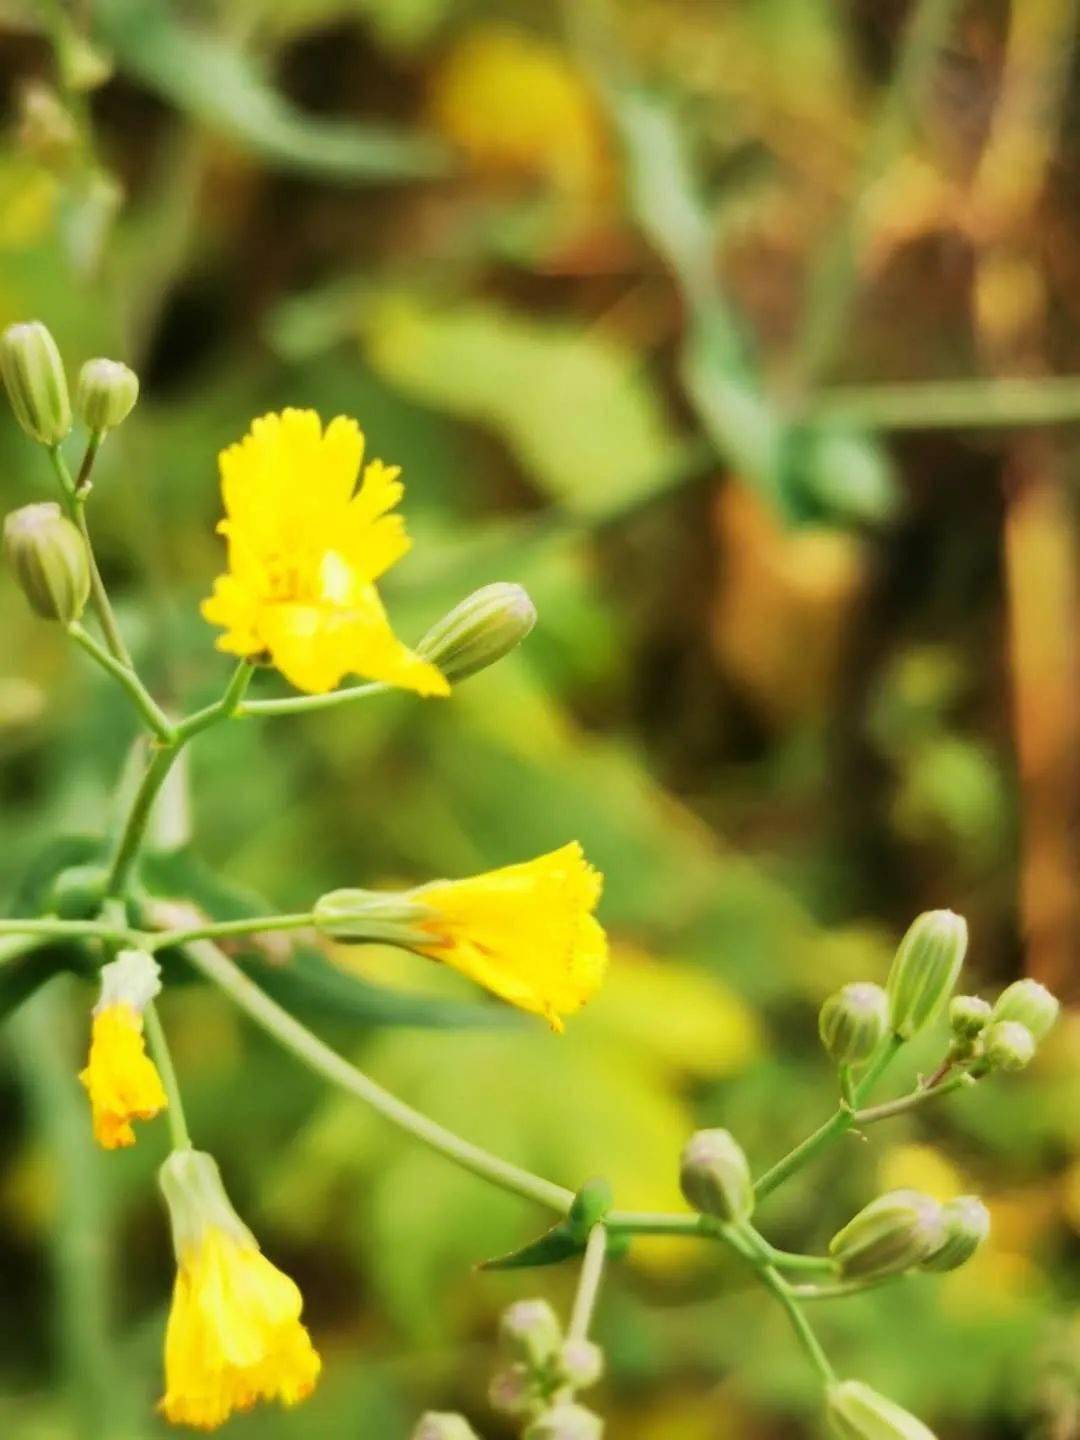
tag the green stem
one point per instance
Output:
(592, 1272)
(836, 1125)
(76, 502)
(841, 1288)
(951, 404)
(799, 1323)
(218, 929)
(912, 1102)
(229, 705)
(312, 1052)
(300, 704)
(159, 1046)
(127, 848)
(647, 1222)
(51, 928)
(145, 703)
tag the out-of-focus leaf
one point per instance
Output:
(575, 408)
(204, 76)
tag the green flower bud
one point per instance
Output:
(853, 1022)
(78, 892)
(892, 1233)
(530, 1331)
(48, 556)
(968, 1016)
(105, 394)
(566, 1422)
(1029, 1003)
(484, 627)
(581, 1364)
(372, 915)
(1008, 1045)
(967, 1224)
(37, 387)
(435, 1426)
(925, 969)
(715, 1176)
(513, 1391)
(855, 1412)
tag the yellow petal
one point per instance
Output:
(120, 1078)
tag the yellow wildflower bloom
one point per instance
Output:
(234, 1335)
(120, 1078)
(525, 932)
(305, 549)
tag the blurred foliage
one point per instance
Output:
(560, 275)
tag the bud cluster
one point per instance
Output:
(545, 1370)
(905, 1230)
(1005, 1035)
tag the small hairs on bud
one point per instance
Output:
(36, 384)
(715, 1176)
(580, 1364)
(105, 394)
(435, 1426)
(853, 1022)
(484, 627)
(49, 559)
(566, 1422)
(968, 1016)
(967, 1225)
(530, 1331)
(924, 970)
(1008, 1045)
(893, 1233)
(1029, 1003)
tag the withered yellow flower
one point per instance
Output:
(234, 1335)
(526, 932)
(120, 1078)
(305, 549)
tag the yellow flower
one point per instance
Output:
(234, 1335)
(514, 104)
(526, 932)
(120, 1078)
(305, 549)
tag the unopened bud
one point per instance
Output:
(855, 1412)
(581, 1364)
(968, 1016)
(484, 627)
(925, 969)
(967, 1225)
(392, 917)
(36, 384)
(513, 1391)
(435, 1426)
(892, 1233)
(105, 394)
(853, 1022)
(48, 556)
(566, 1422)
(530, 1331)
(1008, 1045)
(715, 1176)
(1029, 1003)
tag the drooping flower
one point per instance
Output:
(120, 1078)
(234, 1335)
(526, 932)
(305, 549)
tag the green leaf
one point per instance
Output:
(575, 408)
(202, 75)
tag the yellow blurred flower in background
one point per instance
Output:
(305, 549)
(515, 105)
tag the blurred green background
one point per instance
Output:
(740, 332)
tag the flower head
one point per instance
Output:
(305, 549)
(526, 932)
(234, 1335)
(120, 1078)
